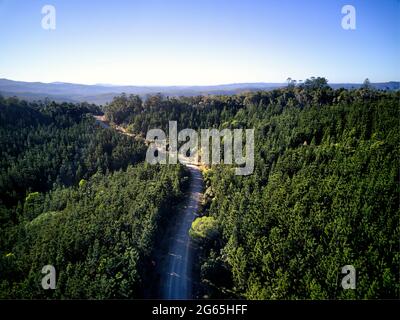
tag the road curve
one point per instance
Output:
(177, 274)
(176, 271)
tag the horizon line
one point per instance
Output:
(189, 85)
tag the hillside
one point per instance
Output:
(324, 194)
(102, 94)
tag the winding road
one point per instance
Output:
(176, 269)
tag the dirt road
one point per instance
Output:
(176, 278)
(176, 269)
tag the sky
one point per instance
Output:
(154, 42)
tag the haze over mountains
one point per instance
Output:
(104, 93)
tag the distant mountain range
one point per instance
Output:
(104, 93)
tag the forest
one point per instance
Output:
(78, 197)
(324, 194)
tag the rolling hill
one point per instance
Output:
(102, 94)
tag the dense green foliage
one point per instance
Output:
(324, 193)
(204, 227)
(99, 236)
(71, 198)
(47, 143)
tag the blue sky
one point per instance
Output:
(154, 42)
